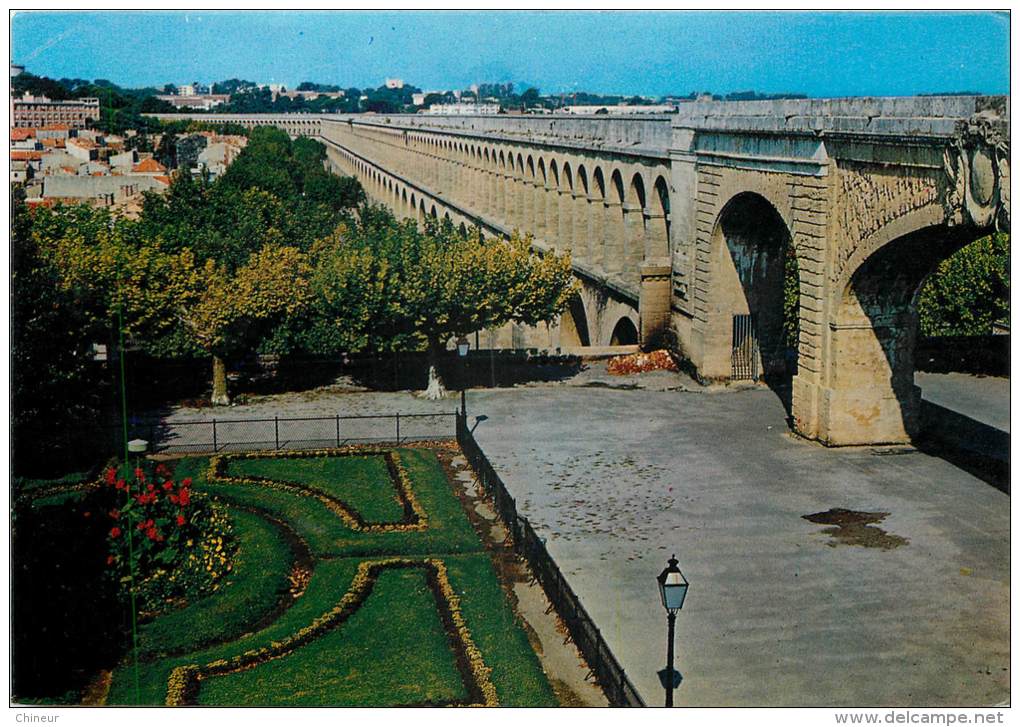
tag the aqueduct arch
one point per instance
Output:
(870, 377)
(660, 216)
(574, 330)
(750, 244)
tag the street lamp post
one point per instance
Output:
(462, 350)
(138, 447)
(672, 591)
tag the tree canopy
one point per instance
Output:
(388, 285)
(969, 291)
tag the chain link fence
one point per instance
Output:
(526, 542)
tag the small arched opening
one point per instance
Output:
(625, 333)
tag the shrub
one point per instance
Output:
(166, 543)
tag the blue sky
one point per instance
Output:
(820, 54)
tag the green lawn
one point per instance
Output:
(363, 482)
(250, 593)
(393, 650)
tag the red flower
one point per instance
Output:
(185, 497)
(151, 487)
(111, 476)
(180, 520)
(173, 498)
(110, 559)
(114, 532)
(121, 485)
(186, 482)
(153, 534)
(162, 470)
(168, 485)
(139, 474)
(115, 514)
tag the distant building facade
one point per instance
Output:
(201, 102)
(34, 111)
(463, 109)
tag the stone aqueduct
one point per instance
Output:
(681, 224)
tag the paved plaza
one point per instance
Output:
(982, 398)
(909, 605)
(779, 612)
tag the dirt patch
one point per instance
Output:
(853, 527)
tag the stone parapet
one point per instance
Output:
(896, 116)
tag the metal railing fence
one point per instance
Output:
(526, 542)
(242, 435)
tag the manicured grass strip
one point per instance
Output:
(391, 651)
(384, 653)
(330, 580)
(412, 516)
(516, 671)
(448, 531)
(363, 482)
(253, 590)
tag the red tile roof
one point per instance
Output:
(22, 134)
(25, 155)
(162, 179)
(148, 165)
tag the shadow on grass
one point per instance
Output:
(67, 622)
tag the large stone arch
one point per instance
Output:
(635, 223)
(565, 207)
(659, 221)
(540, 196)
(584, 222)
(599, 212)
(749, 246)
(868, 391)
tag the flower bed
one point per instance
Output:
(638, 363)
(165, 543)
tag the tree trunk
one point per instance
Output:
(219, 382)
(435, 389)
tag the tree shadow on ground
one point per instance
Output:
(406, 371)
(975, 447)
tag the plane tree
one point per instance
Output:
(385, 285)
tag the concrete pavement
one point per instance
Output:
(983, 398)
(779, 613)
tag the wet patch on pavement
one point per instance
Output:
(853, 527)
